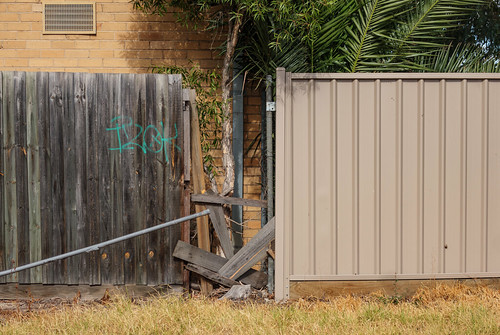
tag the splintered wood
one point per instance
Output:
(228, 271)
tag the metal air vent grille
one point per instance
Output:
(69, 18)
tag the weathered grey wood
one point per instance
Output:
(45, 172)
(63, 188)
(2, 178)
(58, 233)
(155, 252)
(117, 101)
(127, 114)
(33, 166)
(10, 200)
(106, 141)
(153, 249)
(22, 200)
(217, 199)
(192, 254)
(172, 114)
(21, 174)
(92, 168)
(219, 222)
(69, 178)
(250, 254)
(138, 104)
(211, 275)
(81, 230)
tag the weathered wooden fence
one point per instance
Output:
(86, 158)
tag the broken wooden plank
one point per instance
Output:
(271, 253)
(198, 182)
(220, 200)
(250, 254)
(190, 253)
(219, 222)
(211, 275)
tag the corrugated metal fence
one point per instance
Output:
(86, 158)
(387, 176)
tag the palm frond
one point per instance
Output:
(261, 58)
(460, 58)
(332, 35)
(365, 42)
(426, 23)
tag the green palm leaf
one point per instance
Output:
(460, 58)
(426, 22)
(366, 45)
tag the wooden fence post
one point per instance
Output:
(198, 183)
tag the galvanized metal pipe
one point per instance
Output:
(270, 173)
(97, 246)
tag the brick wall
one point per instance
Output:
(251, 162)
(126, 42)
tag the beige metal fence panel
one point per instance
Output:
(387, 176)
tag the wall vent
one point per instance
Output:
(69, 18)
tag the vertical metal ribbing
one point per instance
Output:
(442, 172)
(378, 233)
(355, 164)
(399, 182)
(421, 174)
(464, 176)
(311, 95)
(334, 187)
(485, 179)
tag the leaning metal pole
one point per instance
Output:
(96, 247)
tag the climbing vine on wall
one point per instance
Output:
(207, 86)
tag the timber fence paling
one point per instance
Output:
(10, 209)
(45, 172)
(33, 163)
(2, 178)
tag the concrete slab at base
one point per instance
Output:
(405, 288)
(87, 292)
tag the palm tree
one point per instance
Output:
(367, 36)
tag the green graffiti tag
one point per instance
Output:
(131, 135)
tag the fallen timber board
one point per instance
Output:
(250, 254)
(217, 199)
(219, 223)
(197, 256)
(211, 275)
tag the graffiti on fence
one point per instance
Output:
(131, 135)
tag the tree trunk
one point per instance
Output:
(227, 129)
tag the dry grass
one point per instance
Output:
(442, 310)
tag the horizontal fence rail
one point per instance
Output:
(96, 247)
